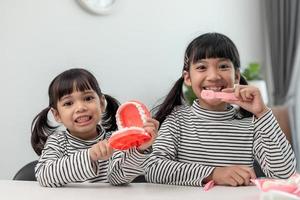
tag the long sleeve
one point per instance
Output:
(163, 167)
(55, 168)
(271, 148)
(124, 166)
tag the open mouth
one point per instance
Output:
(214, 88)
(83, 119)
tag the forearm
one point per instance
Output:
(54, 171)
(273, 151)
(125, 166)
(166, 171)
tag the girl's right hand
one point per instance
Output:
(101, 151)
(249, 98)
(233, 175)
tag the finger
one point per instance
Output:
(150, 130)
(232, 182)
(93, 154)
(245, 175)
(152, 122)
(237, 178)
(237, 89)
(102, 148)
(250, 171)
(228, 90)
(110, 150)
(246, 94)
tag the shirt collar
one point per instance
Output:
(100, 136)
(228, 114)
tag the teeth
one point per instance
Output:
(214, 88)
(82, 119)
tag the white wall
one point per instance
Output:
(136, 53)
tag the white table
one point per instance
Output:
(24, 190)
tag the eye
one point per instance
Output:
(224, 66)
(200, 67)
(89, 98)
(67, 103)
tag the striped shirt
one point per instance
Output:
(193, 141)
(126, 166)
(65, 159)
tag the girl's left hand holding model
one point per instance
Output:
(151, 127)
(101, 151)
(249, 98)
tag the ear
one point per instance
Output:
(237, 76)
(103, 103)
(56, 115)
(187, 78)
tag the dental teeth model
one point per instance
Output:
(130, 117)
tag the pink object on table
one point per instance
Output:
(209, 185)
(291, 185)
(210, 94)
(130, 117)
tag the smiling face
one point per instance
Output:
(211, 74)
(79, 112)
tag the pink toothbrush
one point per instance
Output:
(210, 94)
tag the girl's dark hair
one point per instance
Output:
(62, 85)
(209, 45)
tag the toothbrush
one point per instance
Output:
(210, 94)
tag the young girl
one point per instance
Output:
(213, 140)
(81, 152)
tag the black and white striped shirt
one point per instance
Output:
(65, 159)
(126, 166)
(193, 141)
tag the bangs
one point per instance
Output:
(215, 46)
(71, 85)
(70, 81)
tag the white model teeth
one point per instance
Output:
(142, 113)
(139, 108)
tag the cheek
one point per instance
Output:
(232, 79)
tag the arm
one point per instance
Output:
(55, 169)
(125, 166)
(162, 165)
(271, 148)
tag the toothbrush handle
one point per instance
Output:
(225, 95)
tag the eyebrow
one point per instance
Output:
(65, 97)
(88, 92)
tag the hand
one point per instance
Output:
(151, 127)
(233, 175)
(101, 151)
(249, 98)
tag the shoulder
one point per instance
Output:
(56, 137)
(181, 111)
(178, 114)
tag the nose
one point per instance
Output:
(213, 74)
(80, 106)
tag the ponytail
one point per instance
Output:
(109, 118)
(40, 130)
(174, 98)
(243, 80)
